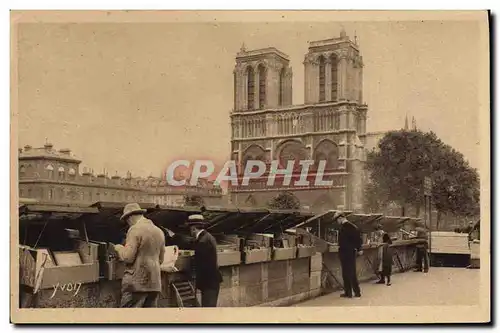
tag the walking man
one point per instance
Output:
(349, 249)
(143, 255)
(207, 275)
(422, 251)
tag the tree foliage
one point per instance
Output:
(284, 200)
(404, 158)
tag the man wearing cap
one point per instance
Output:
(207, 274)
(422, 249)
(143, 255)
(349, 248)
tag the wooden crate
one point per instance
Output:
(284, 253)
(229, 258)
(86, 273)
(449, 243)
(306, 251)
(257, 255)
(39, 270)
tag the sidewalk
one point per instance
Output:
(441, 286)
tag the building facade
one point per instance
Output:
(52, 176)
(330, 126)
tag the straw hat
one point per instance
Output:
(196, 220)
(132, 209)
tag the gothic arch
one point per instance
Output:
(254, 152)
(282, 78)
(326, 150)
(22, 170)
(291, 150)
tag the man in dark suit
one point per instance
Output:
(349, 249)
(207, 274)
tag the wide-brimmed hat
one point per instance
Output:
(196, 220)
(132, 209)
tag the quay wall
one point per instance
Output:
(271, 283)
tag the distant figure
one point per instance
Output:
(378, 239)
(143, 255)
(349, 249)
(469, 228)
(208, 276)
(422, 254)
(385, 254)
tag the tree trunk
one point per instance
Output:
(403, 210)
(438, 219)
(417, 209)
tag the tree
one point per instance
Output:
(404, 158)
(375, 198)
(284, 200)
(193, 200)
(456, 185)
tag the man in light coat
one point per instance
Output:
(143, 255)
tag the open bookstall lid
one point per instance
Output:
(227, 219)
(365, 222)
(229, 222)
(392, 223)
(47, 212)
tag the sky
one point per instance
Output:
(135, 96)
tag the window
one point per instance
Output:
(334, 77)
(50, 171)
(250, 88)
(72, 173)
(22, 171)
(61, 172)
(235, 87)
(262, 86)
(281, 87)
(321, 79)
(51, 194)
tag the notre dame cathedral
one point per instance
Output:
(330, 125)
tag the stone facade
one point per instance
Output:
(330, 126)
(52, 176)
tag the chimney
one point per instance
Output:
(101, 179)
(27, 148)
(48, 146)
(116, 179)
(87, 174)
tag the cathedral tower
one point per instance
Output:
(330, 126)
(262, 80)
(333, 71)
